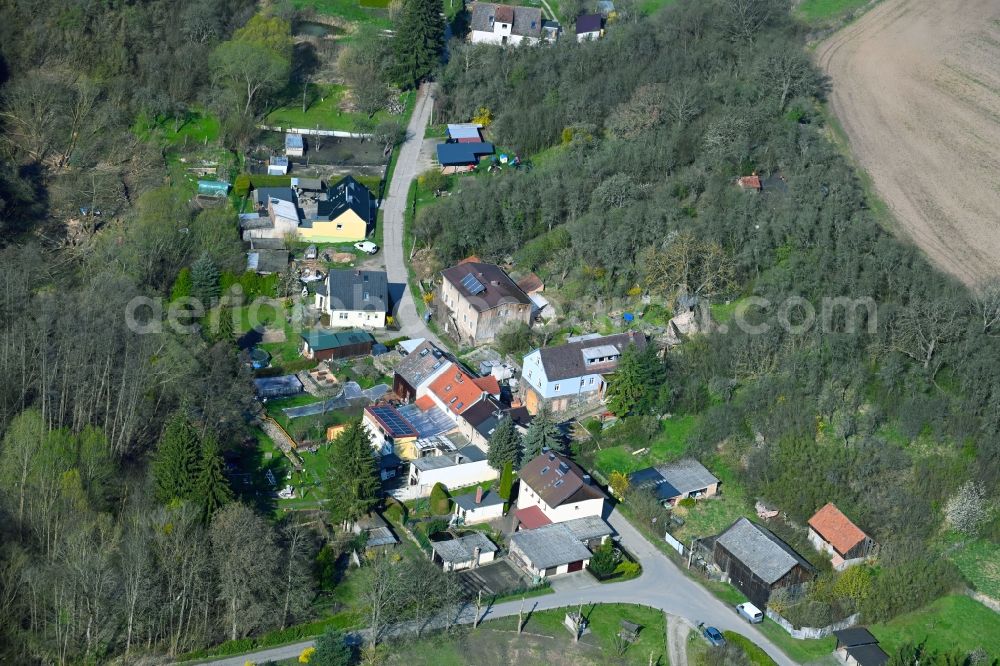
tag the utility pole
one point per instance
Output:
(479, 607)
(520, 615)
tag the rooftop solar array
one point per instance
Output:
(393, 421)
(473, 285)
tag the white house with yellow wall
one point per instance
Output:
(347, 214)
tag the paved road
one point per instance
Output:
(662, 585)
(394, 209)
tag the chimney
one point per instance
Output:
(586, 479)
(479, 494)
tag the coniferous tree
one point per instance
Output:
(353, 483)
(332, 649)
(628, 385)
(212, 490)
(419, 40)
(543, 433)
(204, 279)
(506, 482)
(227, 331)
(176, 461)
(505, 446)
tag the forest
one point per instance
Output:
(888, 409)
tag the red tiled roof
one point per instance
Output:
(489, 384)
(531, 518)
(505, 14)
(836, 529)
(425, 403)
(531, 283)
(457, 390)
(750, 182)
(471, 259)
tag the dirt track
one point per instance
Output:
(916, 86)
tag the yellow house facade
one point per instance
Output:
(347, 227)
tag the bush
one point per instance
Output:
(395, 511)
(433, 180)
(242, 185)
(604, 561)
(687, 502)
(332, 649)
(263, 180)
(754, 654)
(440, 501)
(435, 525)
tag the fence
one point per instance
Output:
(674, 543)
(813, 632)
(340, 134)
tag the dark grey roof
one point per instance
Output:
(527, 20)
(588, 23)
(686, 476)
(421, 363)
(267, 261)
(589, 527)
(468, 454)
(767, 556)
(468, 500)
(262, 194)
(352, 289)
(344, 195)
(549, 546)
(567, 361)
(463, 548)
(868, 655)
(276, 386)
(267, 244)
(854, 636)
(499, 288)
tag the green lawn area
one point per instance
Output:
(670, 444)
(714, 514)
(950, 623)
(325, 112)
(363, 11)
(195, 127)
(817, 11)
(651, 6)
(545, 641)
(723, 312)
(979, 562)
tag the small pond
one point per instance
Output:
(313, 29)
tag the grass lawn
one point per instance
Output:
(652, 6)
(197, 127)
(365, 11)
(818, 11)
(545, 641)
(712, 515)
(669, 444)
(324, 112)
(950, 623)
(979, 562)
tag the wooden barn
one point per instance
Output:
(757, 562)
(326, 345)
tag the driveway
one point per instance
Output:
(408, 167)
(662, 585)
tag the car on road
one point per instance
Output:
(367, 247)
(714, 636)
(750, 613)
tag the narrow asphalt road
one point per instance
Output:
(662, 585)
(394, 212)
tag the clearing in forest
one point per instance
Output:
(915, 87)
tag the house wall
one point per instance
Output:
(456, 476)
(482, 514)
(744, 580)
(500, 37)
(403, 390)
(856, 555)
(590, 36)
(356, 318)
(528, 497)
(475, 326)
(348, 227)
(347, 351)
(468, 564)
(559, 395)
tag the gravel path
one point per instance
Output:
(915, 87)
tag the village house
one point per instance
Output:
(465, 552)
(549, 550)
(326, 345)
(480, 300)
(857, 647)
(414, 374)
(389, 431)
(354, 299)
(675, 481)
(456, 390)
(480, 421)
(505, 24)
(555, 489)
(478, 507)
(455, 469)
(589, 27)
(574, 373)
(757, 562)
(346, 214)
(833, 533)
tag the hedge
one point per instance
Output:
(263, 180)
(754, 653)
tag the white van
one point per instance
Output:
(750, 613)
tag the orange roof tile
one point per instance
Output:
(457, 390)
(425, 403)
(750, 182)
(471, 259)
(836, 529)
(489, 384)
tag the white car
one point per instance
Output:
(367, 247)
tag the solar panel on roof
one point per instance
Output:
(473, 285)
(392, 419)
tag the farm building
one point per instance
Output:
(831, 532)
(757, 562)
(465, 552)
(457, 157)
(326, 345)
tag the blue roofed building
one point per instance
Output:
(455, 157)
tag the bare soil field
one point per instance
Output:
(916, 87)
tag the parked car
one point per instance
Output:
(367, 247)
(714, 636)
(750, 613)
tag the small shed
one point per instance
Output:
(213, 188)
(277, 166)
(277, 387)
(465, 552)
(465, 133)
(377, 530)
(295, 145)
(479, 507)
(589, 26)
(266, 262)
(858, 647)
(324, 345)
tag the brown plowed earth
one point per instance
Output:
(916, 87)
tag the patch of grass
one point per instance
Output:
(800, 651)
(653, 6)
(951, 623)
(350, 10)
(754, 653)
(669, 444)
(723, 312)
(195, 127)
(979, 562)
(325, 111)
(819, 11)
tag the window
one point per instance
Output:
(559, 483)
(343, 315)
(581, 381)
(366, 296)
(545, 470)
(556, 387)
(529, 374)
(590, 381)
(339, 227)
(452, 401)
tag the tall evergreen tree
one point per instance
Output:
(419, 41)
(176, 461)
(353, 482)
(204, 279)
(212, 489)
(505, 446)
(543, 433)
(628, 385)
(227, 330)
(506, 482)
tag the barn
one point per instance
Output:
(326, 345)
